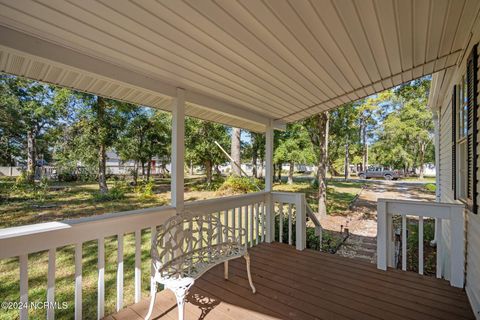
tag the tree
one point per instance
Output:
(405, 138)
(34, 107)
(146, 134)
(344, 138)
(258, 152)
(93, 128)
(294, 147)
(318, 127)
(200, 137)
(235, 152)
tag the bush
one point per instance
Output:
(117, 192)
(67, 177)
(234, 185)
(431, 187)
(145, 189)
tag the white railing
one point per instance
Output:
(290, 207)
(450, 248)
(248, 211)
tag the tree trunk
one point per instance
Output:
(235, 152)
(254, 163)
(208, 170)
(191, 167)
(322, 125)
(149, 169)
(102, 149)
(32, 155)
(422, 159)
(347, 161)
(135, 172)
(364, 147)
(260, 170)
(279, 172)
(143, 169)
(290, 172)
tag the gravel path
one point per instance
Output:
(362, 218)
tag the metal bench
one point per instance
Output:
(187, 246)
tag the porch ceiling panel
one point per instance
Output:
(278, 59)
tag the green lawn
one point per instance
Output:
(339, 194)
(73, 200)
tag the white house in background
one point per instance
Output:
(258, 65)
(117, 166)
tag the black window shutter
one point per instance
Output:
(472, 93)
(454, 142)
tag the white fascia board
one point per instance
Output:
(46, 50)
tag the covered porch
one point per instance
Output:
(255, 65)
(308, 284)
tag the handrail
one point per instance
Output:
(317, 224)
(447, 215)
(244, 210)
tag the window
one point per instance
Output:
(464, 135)
(461, 106)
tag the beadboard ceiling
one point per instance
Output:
(242, 63)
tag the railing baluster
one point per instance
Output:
(257, 224)
(101, 279)
(420, 245)
(263, 212)
(240, 217)
(234, 223)
(78, 281)
(404, 242)
(280, 229)
(23, 260)
(51, 283)
(209, 238)
(219, 235)
(251, 224)
(290, 224)
(246, 210)
(153, 284)
(439, 249)
(138, 266)
(120, 272)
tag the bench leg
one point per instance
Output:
(225, 270)
(247, 259)
(180, 293)
(153, 294)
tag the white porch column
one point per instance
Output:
(270, 214)
(436, 123)
(178, 149)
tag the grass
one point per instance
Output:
(339, 194)
(425, 179)
(74, 200)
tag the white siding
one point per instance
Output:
(472, 285)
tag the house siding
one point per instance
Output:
(472, 221)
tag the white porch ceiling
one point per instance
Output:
(242, 62)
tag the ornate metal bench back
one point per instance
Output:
(189, 244)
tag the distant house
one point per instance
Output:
(115, 165)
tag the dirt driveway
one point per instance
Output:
(361, 219)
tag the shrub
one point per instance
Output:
(144, 189)
(234, 185)
(117, 192)
(67, 177)
(431, 187)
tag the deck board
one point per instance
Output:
(307, 285)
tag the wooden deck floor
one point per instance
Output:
(310, 285)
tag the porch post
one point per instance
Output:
(270, 214)
(178, 149)
(437, 171)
